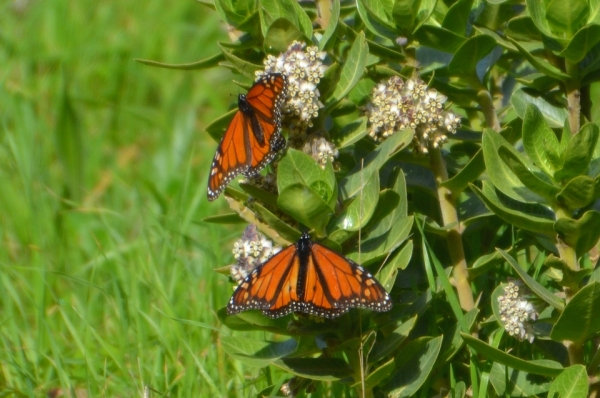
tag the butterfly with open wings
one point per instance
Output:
(308, 277)
(253, 136)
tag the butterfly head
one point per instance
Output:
(244, 106)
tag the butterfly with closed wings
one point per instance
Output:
(308, 277)
(253, 136)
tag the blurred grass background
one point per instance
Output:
(103, 167)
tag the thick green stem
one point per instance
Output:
(573, 96)
(454, 238)
(575, 351)
(484, 98)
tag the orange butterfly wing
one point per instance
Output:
(266, 99)
(269, 286)
(308, 277)
(253, 136)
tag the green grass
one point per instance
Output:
(103, 166)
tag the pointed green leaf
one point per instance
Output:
(578, 193)
(272, 10)
(536, 135)
(306, 206)
(352, 69)
(540, 64)
(389, 272)
(582, 234)
(280, 35)
(579, 152)
(358, 213)
(439, 38)
(554, 116)
(324, 369)
(457, 17)
(508, 382)
(518, 218)
(501, 175)
(467, 174)
(527, 177)
(300, 168)
(328, 36)
(572, 383)
(376, 17)
(581, 317)
(535, 287)
(386, 347)
(207, 63)
(567, 16)
(545, 367)
(257, 353)
(581, 44)
(464, 61)
(407, 379)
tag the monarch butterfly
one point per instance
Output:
(308, 277)
(253, 136)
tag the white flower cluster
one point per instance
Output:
(304, 69)
(399, 105)
(249, 251)
(320, 149)
(516, 313)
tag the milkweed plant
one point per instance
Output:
(450, 148)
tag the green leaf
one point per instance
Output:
(508, 382)
(351, 133)
(522, 27)
(257, 353)
(352, 183)
(500, 173)
(300, 168)
(375, 16)
(280, 34)
(379, 243)
(537, 10)
(358, 213)
(571, 383)
(378, 375)
(579, 152)
(579, 192)
(253, 320)
(230, 218)
(389, 272)
(281, 227)
(581, 317)
(264, 196)
(457, 17)
(526, 176)
(239, 65)
(467, 174)
(464, 61)
(386, 347)
(404, 15)
(206, 63)
(272, 10)
(324, 369)
(235, 12)
(328, 36)
(536, 137)
(518, 218)
(535, 287)
(582, 234)
(555, 116)
(439, 38)
(540, 367)
(567, 16)
(407, 379)
(581, 44)
(353, 68)
(306, 206)
(540, 64)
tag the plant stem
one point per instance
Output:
(595, 362)
(573, 96)
(575, 351)
(484, 98)
(454, 238)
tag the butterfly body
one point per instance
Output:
(253, 136)
(310, 278)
